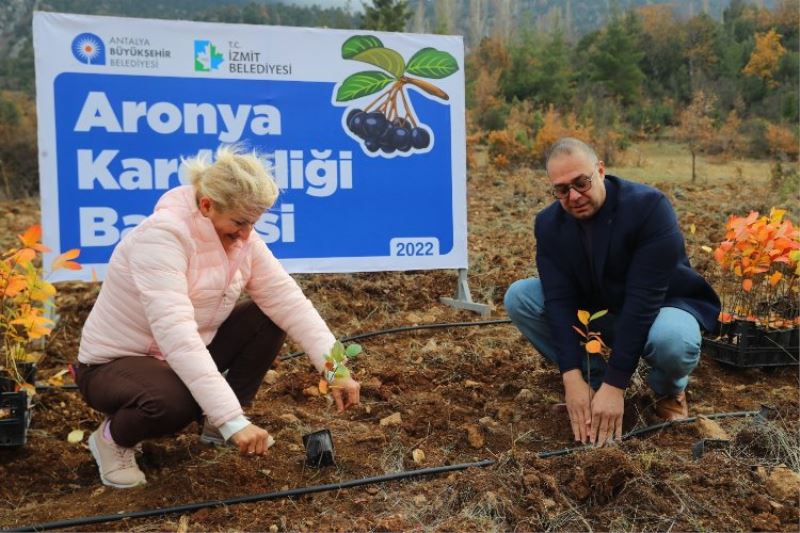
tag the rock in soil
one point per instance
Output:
(783, 483)
(475, 437)
(393, 419)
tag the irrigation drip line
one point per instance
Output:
(654, 427)
(346, 484)
(252, 498)
(438, 325)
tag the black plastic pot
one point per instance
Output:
(319, 448)
(746, 345)
(15, 407)
(15, 418)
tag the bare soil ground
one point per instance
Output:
(463, 394)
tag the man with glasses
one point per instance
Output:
(611, 244)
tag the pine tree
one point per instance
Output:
(386, 15)
(615, 59)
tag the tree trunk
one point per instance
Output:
(694, 173)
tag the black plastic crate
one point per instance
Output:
(746, 345)
(15, 417)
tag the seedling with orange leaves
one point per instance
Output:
(336, 364)
(760, 263)
(593, 341)
(24, 297)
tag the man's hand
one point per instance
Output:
(578, 396)
(608, 406)
(345, 387)
(251, 440)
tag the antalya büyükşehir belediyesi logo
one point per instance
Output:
(89, 48)
(389, 123)
(206, 56)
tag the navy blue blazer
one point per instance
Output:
(638, 266)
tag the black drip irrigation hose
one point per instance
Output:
(345, 484)
(252, 498)
(438, 325)
(654, 427)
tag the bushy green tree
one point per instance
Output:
(614, 59)
(540, 70)
(386, 15)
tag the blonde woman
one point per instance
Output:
(168, 340)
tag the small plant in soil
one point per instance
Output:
(24, 297)
(388, 122)
(336, 364)
(593, 341)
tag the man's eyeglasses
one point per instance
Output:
(580, 184)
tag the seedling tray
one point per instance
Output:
(744, 344)
(15, 417)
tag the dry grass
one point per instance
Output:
(668, 161)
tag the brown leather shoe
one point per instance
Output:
(671, 408)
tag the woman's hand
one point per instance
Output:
(252, 440)
(346, 392)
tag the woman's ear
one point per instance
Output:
(204, 204)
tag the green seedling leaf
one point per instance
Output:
(598, 314)
(432, 63)
(362, 84)
(385, 58)
(353, 350)
(337, 352)
(342, 372)
(338, 348)
(358, 43)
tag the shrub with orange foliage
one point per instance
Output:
(760, 262)
(24, 297)
(556, 126)
(782, 142)
(505, 149)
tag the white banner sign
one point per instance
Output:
(365, 130)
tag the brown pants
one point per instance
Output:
(145, 398)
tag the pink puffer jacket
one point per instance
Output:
(170, 285)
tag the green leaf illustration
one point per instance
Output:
(385, 58)
(361, 84)
(432, 63)
(358, 43)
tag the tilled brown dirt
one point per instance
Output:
(463, 394)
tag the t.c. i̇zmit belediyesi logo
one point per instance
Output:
(89, 48)
(206, 56)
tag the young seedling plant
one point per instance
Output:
(336, 364)
(388, 122)
(593, 342)
(24, 297)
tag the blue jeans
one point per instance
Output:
(672, 349)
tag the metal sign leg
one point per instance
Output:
(463, 299)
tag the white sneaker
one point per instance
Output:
(117, 464)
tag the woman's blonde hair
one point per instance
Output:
(235, 181)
